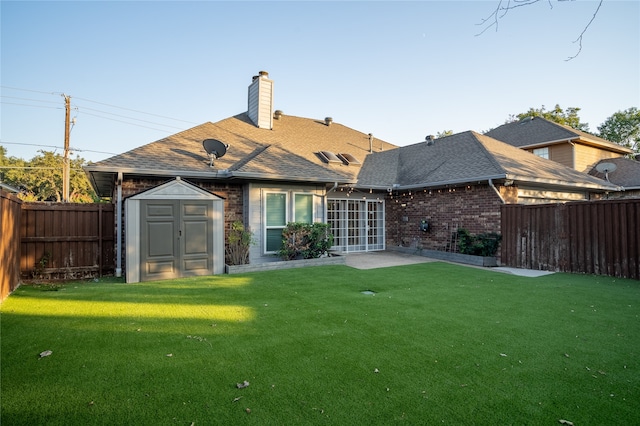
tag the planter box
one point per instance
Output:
(467, 259)
(285, 264)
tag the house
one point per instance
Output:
(277, 169)
(270, 168)
(460, 181)
(573, 148)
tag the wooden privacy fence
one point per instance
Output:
(597, 237)
(9, 243)
(66, 241)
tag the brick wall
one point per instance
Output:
(475, 208)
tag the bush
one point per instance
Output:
(238, 242)
(304, 240)
(485, 244)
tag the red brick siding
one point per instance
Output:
(475, 208)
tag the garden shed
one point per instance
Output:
(174, 230)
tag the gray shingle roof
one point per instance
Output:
(466, 158)
(539, 131)
(626, 174)
(287, 152)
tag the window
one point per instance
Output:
(303, 208)
(542, 152)
(276, 220)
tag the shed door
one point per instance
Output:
(176, 239)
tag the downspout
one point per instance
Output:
(496, 191)
(326, 202)
(119, 226)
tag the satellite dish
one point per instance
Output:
(215, 149)
(606, 168)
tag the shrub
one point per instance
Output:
(304, 240)
(485, 244)
(238, 242)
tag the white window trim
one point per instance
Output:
(542, 152)
(286, 217)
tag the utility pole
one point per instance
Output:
(65, 169)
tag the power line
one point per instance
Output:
(126, 122)
(100, 103)
(29, 99)
(135, 110)
(34, 106)
(57, 147)
(30, 90)
(82, 109)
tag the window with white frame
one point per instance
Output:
(542, 152)
(276, 220)
(303, 208)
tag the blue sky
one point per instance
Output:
(139, 71)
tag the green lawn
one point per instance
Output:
(438, 343)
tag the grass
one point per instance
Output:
(438, 343)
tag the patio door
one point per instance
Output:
(356, 225)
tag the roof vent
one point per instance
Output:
(277, 114)
(430, 140)
(328, 121)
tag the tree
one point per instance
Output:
(623, 128)
(444, 133)
(41, 177)
(504, 6)
(568, 117)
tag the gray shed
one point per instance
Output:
(173, 230)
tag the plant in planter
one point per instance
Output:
(485, 244)
(305, 241)
(238, 242)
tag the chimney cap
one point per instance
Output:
(263, 74)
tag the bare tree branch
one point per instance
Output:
(579, 39)
(504, 6)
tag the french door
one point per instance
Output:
(356, 225)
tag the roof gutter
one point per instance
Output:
(594, 185)
(438, 184)
(222, 174)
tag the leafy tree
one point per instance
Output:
(623, 128)
(444, 133)
(41, 177)
(568, 117)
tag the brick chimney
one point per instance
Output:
(260, 105)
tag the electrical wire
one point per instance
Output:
(30, 90)
(29, 99)
(33, 106)
(126, 122)
(82, 109)
(134, 110)
(57, 147)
